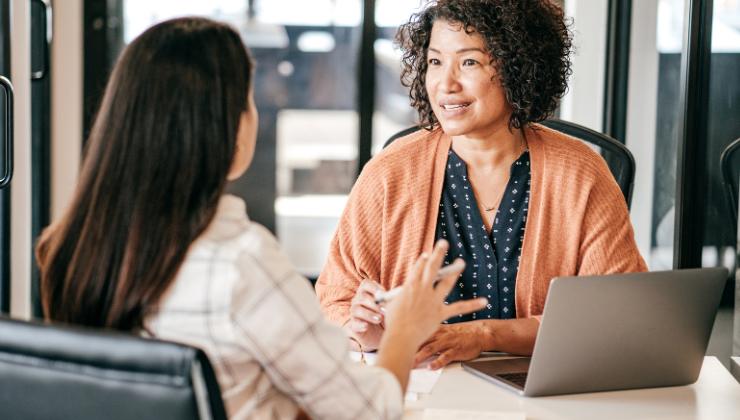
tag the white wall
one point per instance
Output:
(584, 102)
(642, 111)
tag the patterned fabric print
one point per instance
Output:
(239, 299)
(492, 261)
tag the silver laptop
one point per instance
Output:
(624, 331)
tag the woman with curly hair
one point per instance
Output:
(519, 202)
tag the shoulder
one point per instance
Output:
(259, 252)
(405, 152)
(398, 164)
(415, 141)
(569, 156)
(244, 247)
(266, 280)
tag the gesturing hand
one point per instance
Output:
(419, 308)
(453, 342)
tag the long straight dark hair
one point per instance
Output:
(155, 166)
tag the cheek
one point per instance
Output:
(492, 96)
(431, 79)
(428, 87)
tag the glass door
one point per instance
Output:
(6, 167)
(306, 91)
(722, 128)
(393, 111)
(653, 124)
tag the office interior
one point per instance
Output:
(659, 76)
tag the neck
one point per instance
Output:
(496, 147)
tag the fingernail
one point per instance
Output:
(376, 318)
(362, 327)
(382, 309)
(424, 255)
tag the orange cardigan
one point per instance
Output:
(578, 222)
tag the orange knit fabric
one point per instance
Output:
(578, 222)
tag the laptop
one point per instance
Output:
(623, 331)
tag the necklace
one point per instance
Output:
(486, 208)
(495, 206)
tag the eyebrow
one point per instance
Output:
(460, 51)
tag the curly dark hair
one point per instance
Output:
(529, 43)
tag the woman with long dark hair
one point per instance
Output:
(151, 245)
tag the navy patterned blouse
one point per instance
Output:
(492, 261)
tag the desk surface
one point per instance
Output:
(716, 395)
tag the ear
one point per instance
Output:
(244, 148)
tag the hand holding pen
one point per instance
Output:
(367, 317)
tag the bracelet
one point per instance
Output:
(362, 353)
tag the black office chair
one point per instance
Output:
(617, 156)
(730, 164)
(55, 372)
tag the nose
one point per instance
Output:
(449, 81)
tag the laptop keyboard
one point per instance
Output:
(519, 378)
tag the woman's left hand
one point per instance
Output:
(453, 342)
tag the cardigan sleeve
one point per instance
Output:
(354, 252)
(607, 242)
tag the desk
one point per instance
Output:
(716, 395)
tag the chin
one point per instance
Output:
(454, 129)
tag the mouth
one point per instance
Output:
(456, 106)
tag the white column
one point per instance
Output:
(20, 212)
(66, 102)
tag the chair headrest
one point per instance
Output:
(95, 348)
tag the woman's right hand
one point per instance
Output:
(420, 308)
(365, 317)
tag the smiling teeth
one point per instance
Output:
(448, 107)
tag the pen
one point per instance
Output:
(385, 297)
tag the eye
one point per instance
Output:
(433, 62)
(469, 62)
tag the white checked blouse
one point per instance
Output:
(239, 299)
(492, 261)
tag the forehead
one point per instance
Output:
(451, 36)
